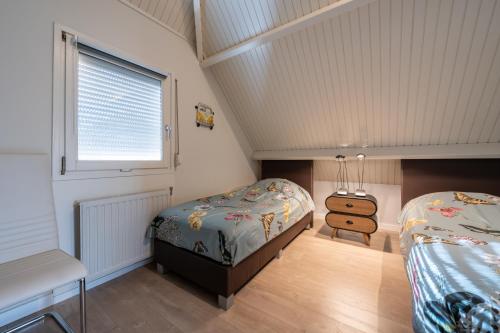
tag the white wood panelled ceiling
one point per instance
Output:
(176, 15)
(388, 74)
(230, 22)
(384, 74)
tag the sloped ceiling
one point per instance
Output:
(391, 73)
(230, 22)
(176, 15)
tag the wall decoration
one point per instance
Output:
(204, 116)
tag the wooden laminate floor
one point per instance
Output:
(318, 285)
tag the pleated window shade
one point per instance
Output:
(119, 114)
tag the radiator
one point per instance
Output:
(113, 231)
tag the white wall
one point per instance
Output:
(388, 201)
(213, 161)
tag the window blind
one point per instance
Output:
(119, 112)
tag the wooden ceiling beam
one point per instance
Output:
(479, 150)
(198, 23)
(303, 22)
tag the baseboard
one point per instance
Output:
(319, 215)
(60, 294)
(64, 293)
(114, 275)
(389, 227)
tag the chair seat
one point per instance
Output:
(24, 278)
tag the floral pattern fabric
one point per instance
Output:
(451, 243)
(229, 227)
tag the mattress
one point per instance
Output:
(229, 227)
(451, 244)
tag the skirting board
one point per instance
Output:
(60, 294)
(389, 227)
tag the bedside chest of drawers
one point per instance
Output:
(349, 212)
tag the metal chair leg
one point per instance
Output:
(54, 315)
(83, 312)
(57, 317)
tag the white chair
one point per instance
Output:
(31, 262)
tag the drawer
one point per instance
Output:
(351, 205)
(350, 222)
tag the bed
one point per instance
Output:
(222, 241)
(450, 239)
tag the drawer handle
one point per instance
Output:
(349, 222)
(349, 205)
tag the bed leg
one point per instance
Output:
(160, 268)
(279, 254)
(225, 302)
(310, 225)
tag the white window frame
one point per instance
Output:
(65, 163)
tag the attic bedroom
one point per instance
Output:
(250, 166)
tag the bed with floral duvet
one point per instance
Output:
(229, 227)
(451, 244)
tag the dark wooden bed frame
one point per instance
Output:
(468, 175)
(225, 280)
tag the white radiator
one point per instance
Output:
(113, 231)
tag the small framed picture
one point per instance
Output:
(204, 116)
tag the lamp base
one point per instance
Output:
(342, 191)
(360, 193)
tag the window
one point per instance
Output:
(116, 112)
(119, 113)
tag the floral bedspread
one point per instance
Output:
(231, 226)
(451, 242)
